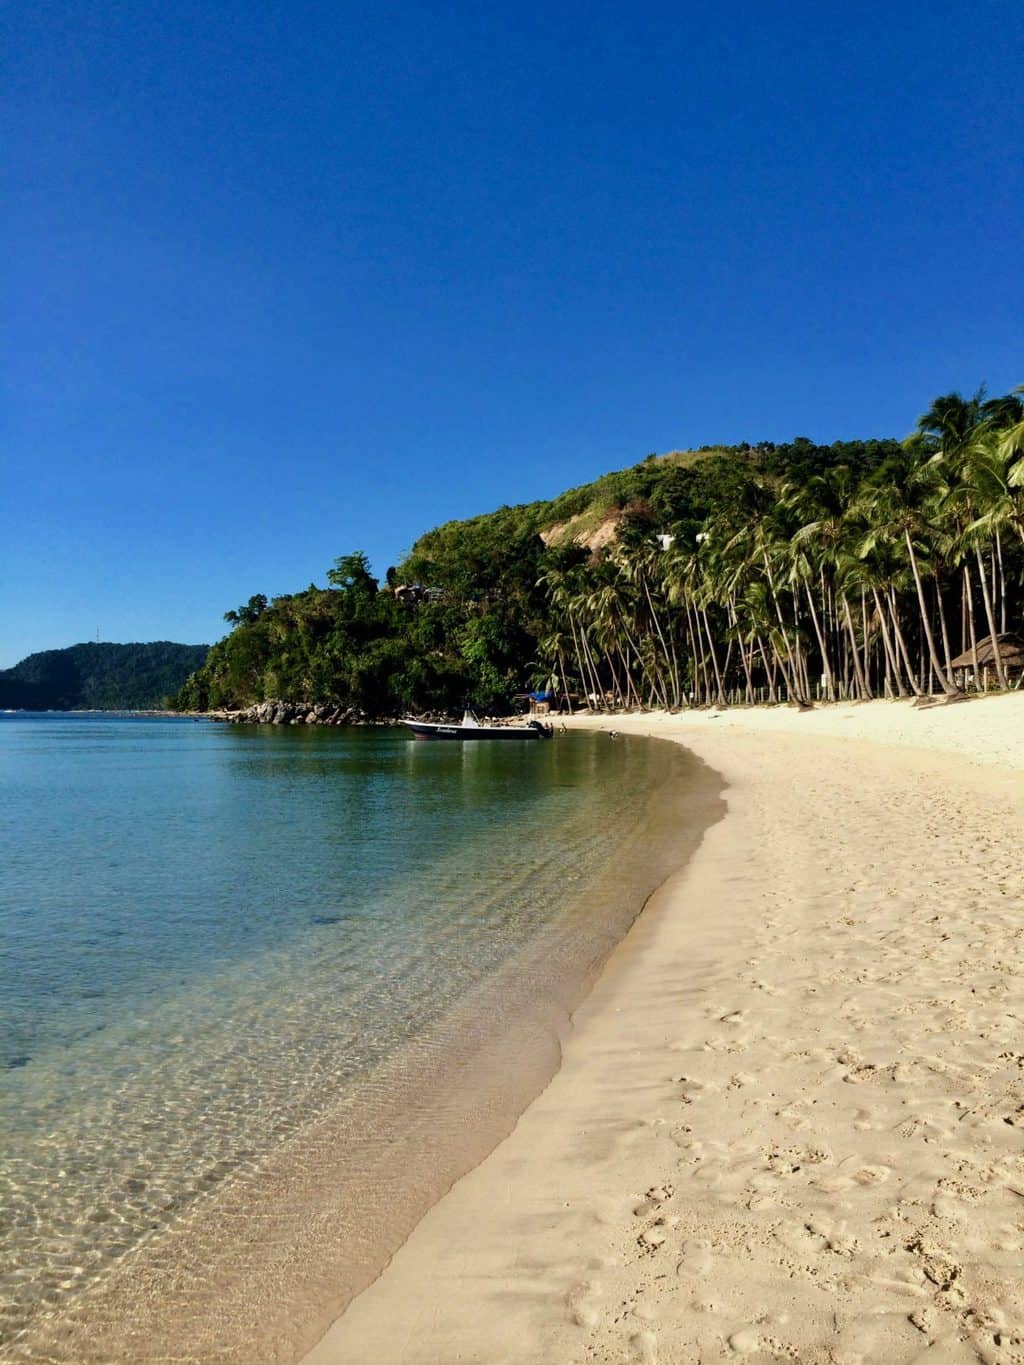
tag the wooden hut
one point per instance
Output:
(1011, 651)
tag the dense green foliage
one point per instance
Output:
(854, 571)
(773, 570)
(356, 644)
(101, 677)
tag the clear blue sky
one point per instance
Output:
(285, 280)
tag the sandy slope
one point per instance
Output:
(790, 1120)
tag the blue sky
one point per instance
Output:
(285, 280)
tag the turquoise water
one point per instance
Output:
(214, 936)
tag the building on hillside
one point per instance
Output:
(416, 592)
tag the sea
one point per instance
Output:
(266, 992)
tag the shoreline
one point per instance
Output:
(787, 1121)
(319, 1216)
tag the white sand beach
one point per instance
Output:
(789, 1121)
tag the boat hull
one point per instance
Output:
(435, 730)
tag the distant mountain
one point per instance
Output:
(100, 677)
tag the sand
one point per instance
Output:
(789, 1120)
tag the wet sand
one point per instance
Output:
(789, 1120)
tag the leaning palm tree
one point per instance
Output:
(947, 428)
(994, 467)
(984, 502)
(1011, 445)
(904, 512)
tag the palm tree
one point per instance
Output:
(822, 505)
(869, 581)
(905, 509)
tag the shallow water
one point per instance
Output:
(225, 944)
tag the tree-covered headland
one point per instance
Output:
(745, 573)
(101, 677)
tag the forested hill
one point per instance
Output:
(768, 572)
(749, 573)
(101, 677)
(468, 616)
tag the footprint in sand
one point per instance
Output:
(582, 1309)
(764, 986)
(732, 1017)
(740, 1079)
(858, 1074)
(924, 1319)
(727, 1045)
(941, 1269)
(788, 1161)
(696, 1258)
(794, 1117)
(653, 1199)
(644, 1346)
(798, 1238)
(837, 1237)
(872, 1175)
(755, 1340)
(947, 1207)
(692, 1089)
(745, 1342)
(653, 1238)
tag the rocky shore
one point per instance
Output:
(308, 713)
(276, 712)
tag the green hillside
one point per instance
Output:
(767, 572)
(101, 677)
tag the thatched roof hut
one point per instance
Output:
(1011, 649)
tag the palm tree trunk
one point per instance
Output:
(826, 663)
(963, 615)
(1002, 583)
(565, 685)
(694, 679)
(749, 691)
(661, 636)
(579, 656)
(997, 656)
(747, 672)
(769, 669)
(617, 691)
(948, 686)
(866, 634)
(714, 657)
(891, 659)
(657, 695)
(719, 669)
(595, 682)
(586, 668)
(728, 660)
(943, 628)
(854, 653)
(901, 642)
(705, 696)
(969, 594)
(680, 699)
(627, 673)
(794, 682)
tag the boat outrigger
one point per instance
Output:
(470, 728)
